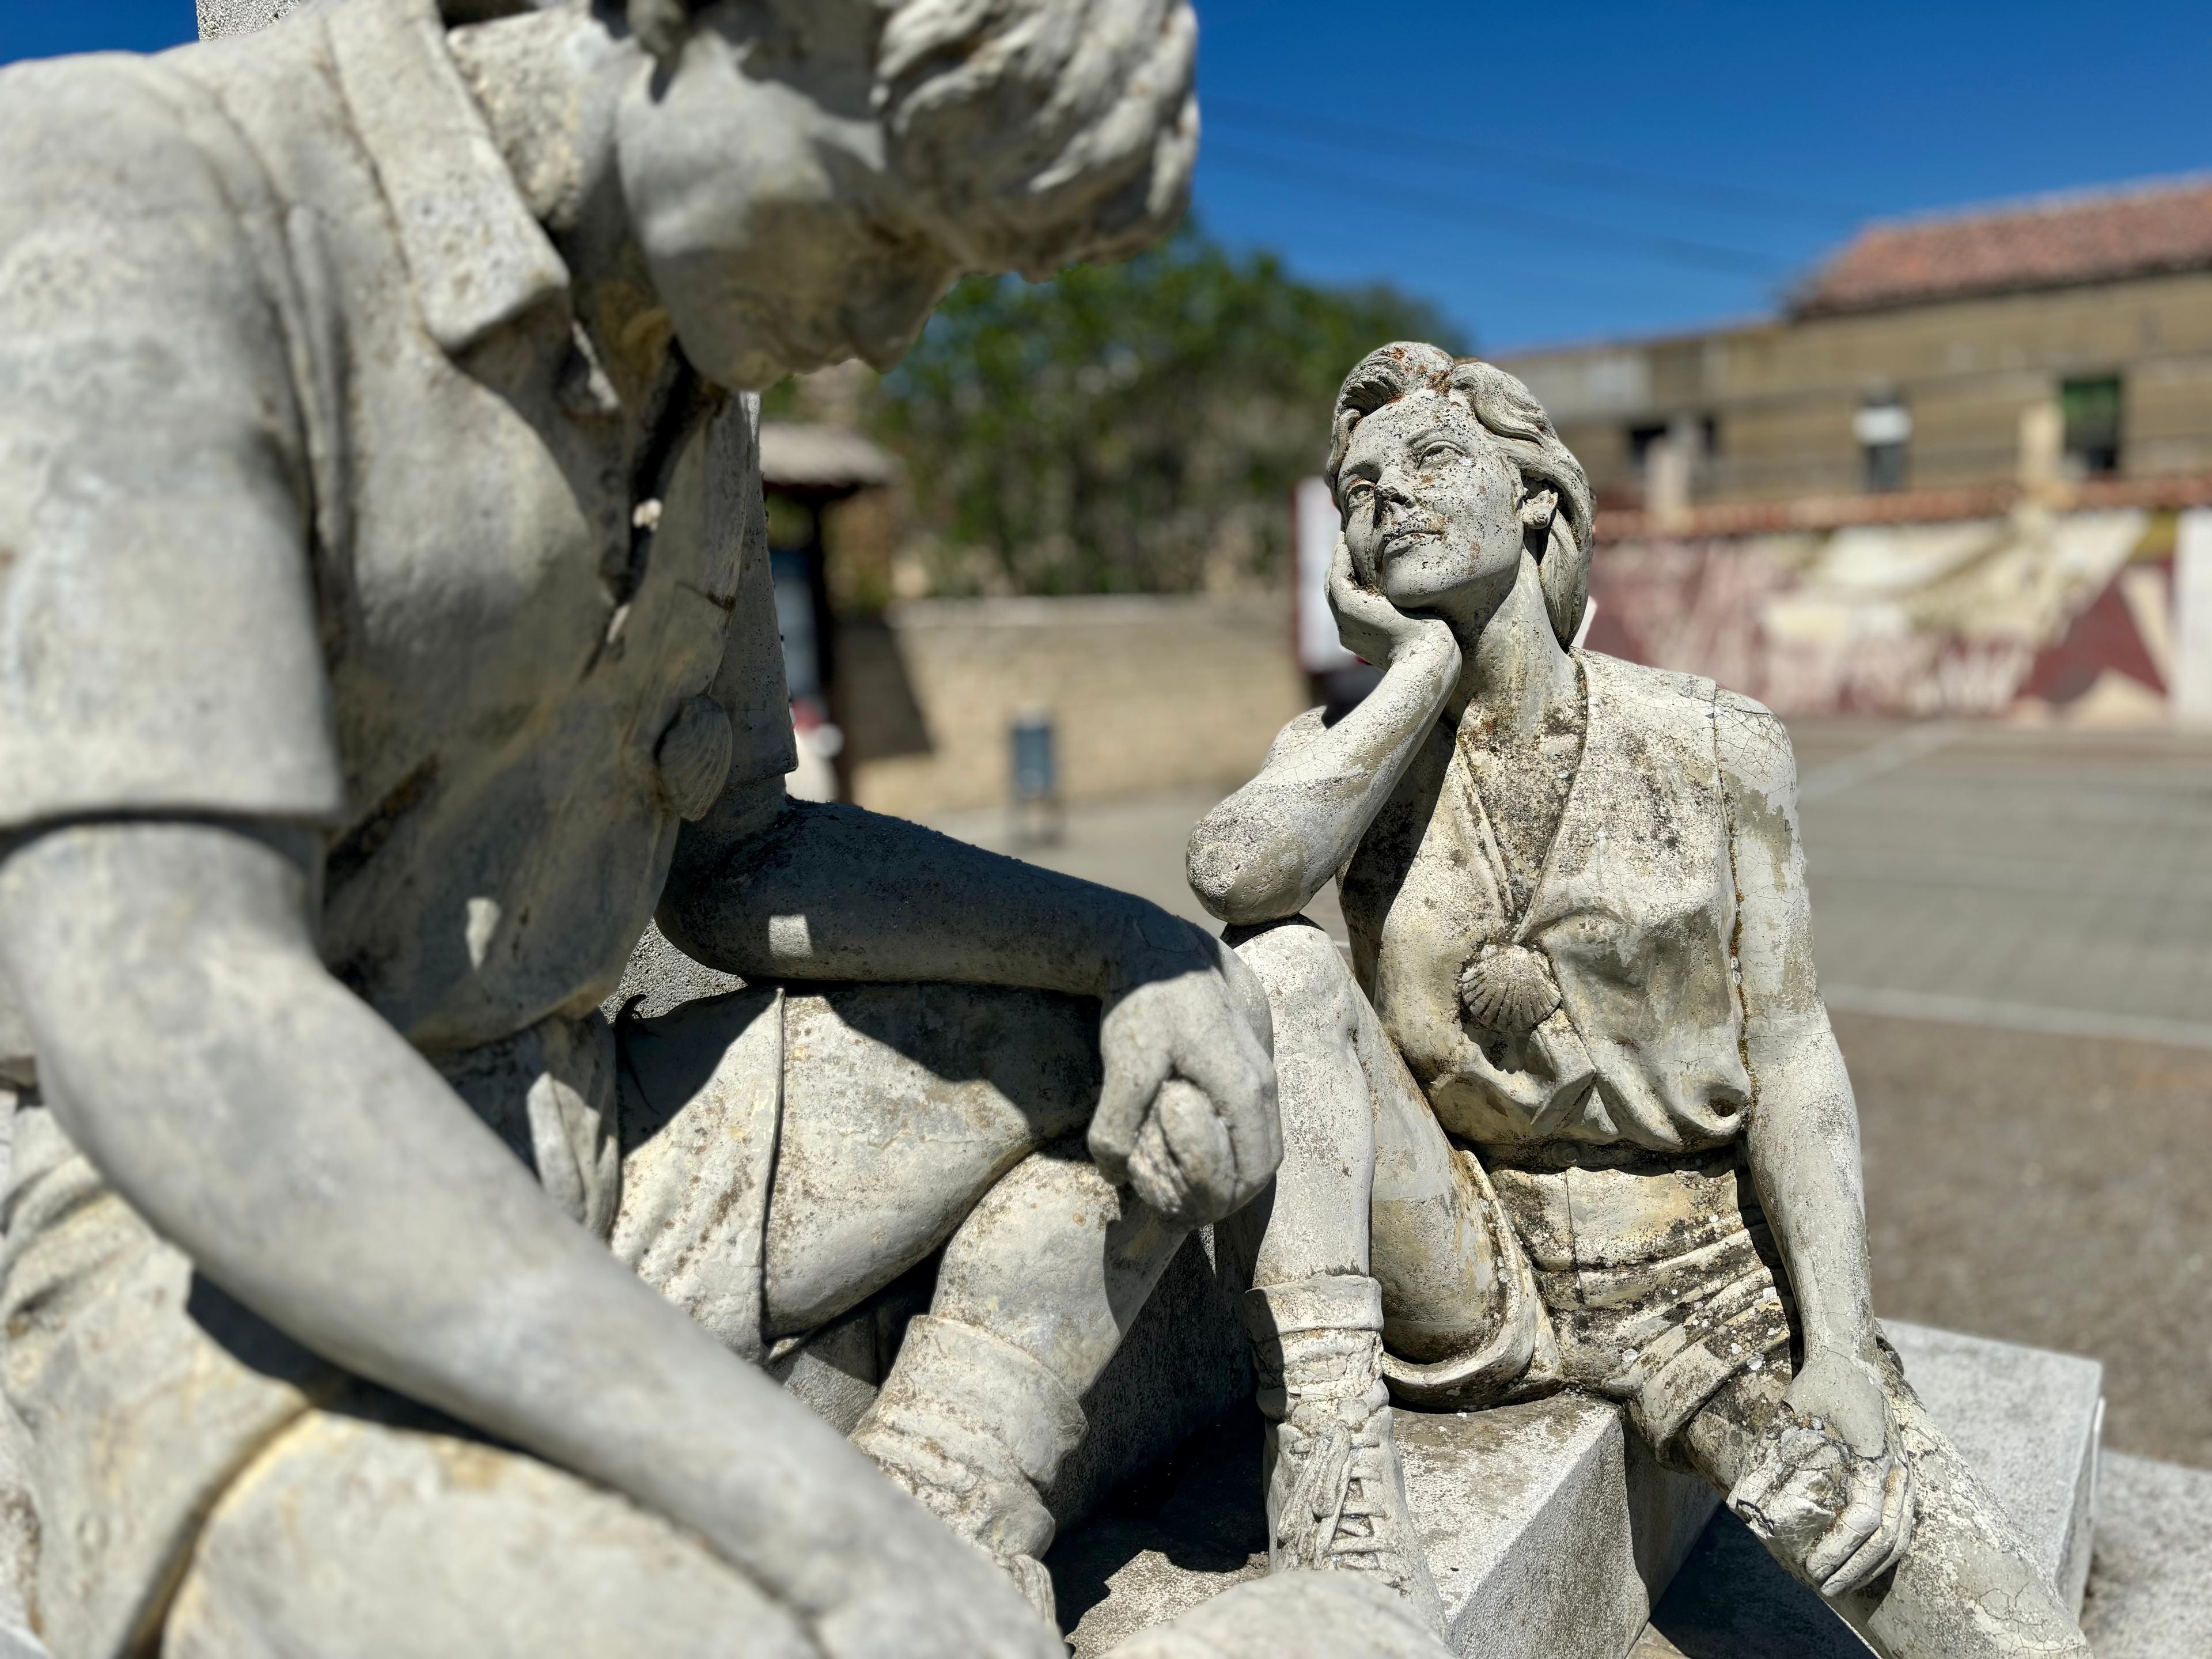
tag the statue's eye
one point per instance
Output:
(1358, 489)
(1436, 454)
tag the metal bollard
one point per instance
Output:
(1037, 818)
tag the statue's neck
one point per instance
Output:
(1513, 671)
(548, 83)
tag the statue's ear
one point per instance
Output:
(1538, 509)
(659, 26)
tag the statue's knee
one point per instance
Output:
(1304, 974)
(1049, 1204)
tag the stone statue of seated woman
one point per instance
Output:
(1573, 1117)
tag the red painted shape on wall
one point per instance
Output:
(2103, 636)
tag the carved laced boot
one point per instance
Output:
(974, 1428)
(1336, 1495)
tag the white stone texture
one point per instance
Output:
(1550, 1529)
(2150, 1590)
(2029, 1422)
(1184, 1363)
(219, 18)
(1551, 1532)
(1293, 1615)
(334, 235)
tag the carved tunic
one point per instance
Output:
(1608, 1130)
(318, 504)
(1634, 911)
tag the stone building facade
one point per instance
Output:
(1918, 358)
(1967, 471)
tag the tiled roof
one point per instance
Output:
(2077, 239)
(808, 455)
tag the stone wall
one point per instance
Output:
(1145, 693)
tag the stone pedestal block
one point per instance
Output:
(1549, 1529)
(2027, 1421)
(2150, 1588)
(1553, 1533)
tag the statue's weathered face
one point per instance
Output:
(763, 206)
(1430, 504)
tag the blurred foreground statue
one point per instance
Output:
(1574, 1117)
(386, 635)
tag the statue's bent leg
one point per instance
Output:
(1966, 1588)
(786, 1153)
(983, 1401)
(1356, 1164)
(791, 1152)
(207, 1488)
(903, 1105)
(354, 1538)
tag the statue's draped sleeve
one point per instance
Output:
(1774, 932)
(159, 651)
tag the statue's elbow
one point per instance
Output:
(1243, 884)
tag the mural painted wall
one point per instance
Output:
(2064, 617)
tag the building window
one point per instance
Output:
(1701, 434)
(1640, 440)
(1883, 426)
(2091, 408)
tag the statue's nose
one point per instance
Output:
(1393, 494)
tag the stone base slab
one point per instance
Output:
(1549, 1528)
(1553, 1533)
(2150, 1586)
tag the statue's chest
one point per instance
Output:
(1423, 895)
(1624, 888)
(1519, 785)
(531, 589)
(516, 552)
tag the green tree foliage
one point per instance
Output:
(1127, 428)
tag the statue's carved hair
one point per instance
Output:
(1031, 133)
(1511, 415)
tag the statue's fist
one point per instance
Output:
(1828, 1491)
(1186, 1111)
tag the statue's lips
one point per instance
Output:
(1404, 541)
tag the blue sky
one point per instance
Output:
(1591, 167)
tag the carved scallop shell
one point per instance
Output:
(1508, 988)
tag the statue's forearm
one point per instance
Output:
(1264, 852)
(1804, 1145)
(316, 1167)
(833, 892)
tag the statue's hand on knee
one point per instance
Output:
(1829, 1489)
(1187, 1112)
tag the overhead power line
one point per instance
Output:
(1357, 191)
(1489, 155)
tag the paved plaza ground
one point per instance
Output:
(2014, 931)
